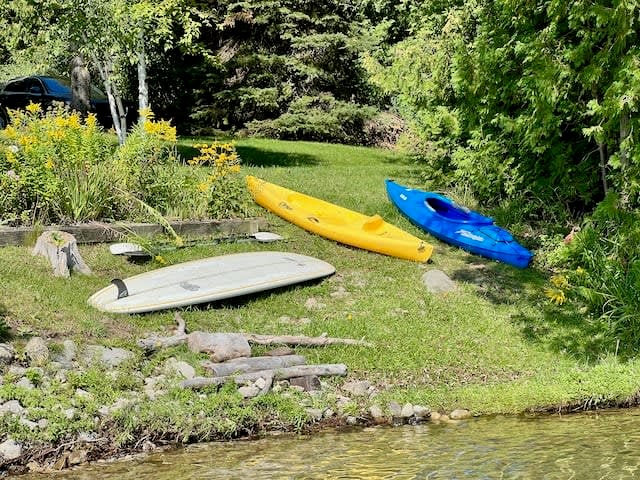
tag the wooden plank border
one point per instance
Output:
(97, 232)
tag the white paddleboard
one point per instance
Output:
(207, 280)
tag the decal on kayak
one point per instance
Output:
(468, 234)
(403, 196)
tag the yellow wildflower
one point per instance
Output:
(178, 241)
(33, 107)
(203, 187)
(555, 295)
(74, 120)
(49, 164)
(234, 168)
(91, 121)
(560, 281)
(160, 259)
(580, 271)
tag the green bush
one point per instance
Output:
(56, 168)
(321, 118)
(48, 161)
(605, 273)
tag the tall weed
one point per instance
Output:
(605, 275)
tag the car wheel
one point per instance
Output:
(4, 118)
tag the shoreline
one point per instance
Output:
(41, 369)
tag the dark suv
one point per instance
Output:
(19, 92)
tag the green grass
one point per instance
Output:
(496, 345)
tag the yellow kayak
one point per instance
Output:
(338, 223)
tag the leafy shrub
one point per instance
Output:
(605, 271)
(223, 188)
(321, 118)
(47, 161)
(54, 167)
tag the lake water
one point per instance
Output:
(603, 445)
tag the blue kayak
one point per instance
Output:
(452, 223)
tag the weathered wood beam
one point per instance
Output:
(252, 364)
(337, 369)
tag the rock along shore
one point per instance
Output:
(62, 405)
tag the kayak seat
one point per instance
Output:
(372, 223)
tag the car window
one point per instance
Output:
(57, 85)
(62, 86)
(16, 86)
(33, 85)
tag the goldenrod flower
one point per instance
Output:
(560, 281)
(33, 107)
(49, 164)
(203, 187)
(555, 295)
(160, 259)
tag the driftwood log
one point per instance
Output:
(156, 342)
(338, 369)
(252, 364)
(62, 251)
(302, 340)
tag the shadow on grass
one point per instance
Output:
(258, 157)
(562, 329)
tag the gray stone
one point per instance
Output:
(328, 413)
(421, 412)
(37, 351)
(173, 366)
(80, 393)
(357, 388)
(43, 423)
(87, 437)
(376, 413)
(108, 357)
(395, 409)
(76, 457)
(70, 413)
(10, 449)
(315, 414)
(16, 371)
(351, 420)
(67, 356)
(28, 423)
(25, 383)
(261, 383)
(153, 386)
(407, 410)
(249, 391)
(7, 353)
(220, 346)
(14, 407)
(436, 416)
(308, 383)
(437, 281)
(460, 414)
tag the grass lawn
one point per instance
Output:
(496, 345)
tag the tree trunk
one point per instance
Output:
(80, 86)
(603, 166)
(115, 102)
(62, 251)
(143, 88)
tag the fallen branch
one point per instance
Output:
(156, 342)
(338, 369)
(296, 340)
(252, 364)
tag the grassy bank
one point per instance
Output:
(496, 345)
